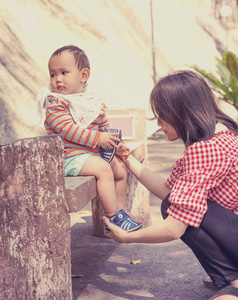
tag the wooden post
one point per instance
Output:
(35, 257)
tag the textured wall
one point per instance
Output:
(116, 35)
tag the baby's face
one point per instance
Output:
(65, 77)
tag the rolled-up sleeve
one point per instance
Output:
(203, 167)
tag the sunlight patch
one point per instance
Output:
(122, 270)
(141, 293)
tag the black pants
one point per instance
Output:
(215, 242)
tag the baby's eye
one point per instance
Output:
(52, 75)
(64, 72)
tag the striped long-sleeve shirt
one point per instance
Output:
(77, 140)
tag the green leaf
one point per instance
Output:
(212, 79)
(230, 61)
(223, 71)
(219, 84)
(234, 86)
(227, 84)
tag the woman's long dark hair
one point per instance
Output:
(185, 101)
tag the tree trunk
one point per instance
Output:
(34, 221)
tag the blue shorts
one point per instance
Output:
(73, 165)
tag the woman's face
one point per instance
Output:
(168, 129)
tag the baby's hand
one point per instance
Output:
(107, 139)
(123, 151)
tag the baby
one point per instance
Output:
(78, 115)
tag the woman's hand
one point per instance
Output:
(116, 233)
(160, 232)
(107, 139)
(123, 151)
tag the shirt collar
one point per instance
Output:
(220, 128)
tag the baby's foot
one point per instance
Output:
(123, 220)
(137, 219)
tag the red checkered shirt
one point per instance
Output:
(209, 169)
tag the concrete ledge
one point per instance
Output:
(79, 191)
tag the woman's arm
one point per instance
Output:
(160, 232)
(155, 183)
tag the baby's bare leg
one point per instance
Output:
(120, 176)
(99, 168)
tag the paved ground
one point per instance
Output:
(166, 272)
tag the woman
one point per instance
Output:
(200, 203)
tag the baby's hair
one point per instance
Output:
(80, 57)
(185, 101)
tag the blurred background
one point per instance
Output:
(130, 45)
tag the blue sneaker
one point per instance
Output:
(123, 220)
(108, 154)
